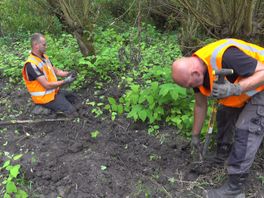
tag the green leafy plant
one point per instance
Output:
(95, 134)
(172, 180)
(261, 178)
(26, 15)
(11, 179)
(153, 129)
(154, 157)
(114, 108)
(156, 102)
(97, 111)
(103, 167)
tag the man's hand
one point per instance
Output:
(196, 148)
(225, 90)
(196, 143)
(69, 79)
(73, 73)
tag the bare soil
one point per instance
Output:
(61, 159)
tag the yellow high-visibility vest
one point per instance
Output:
(212, 54)
(38, 93)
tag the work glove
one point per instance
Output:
(196, 143)
(69, 79)
(196, 148)
(73, 73)
(225, 90)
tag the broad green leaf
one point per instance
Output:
(174, 94)
(120, 109)
(180, 90)
(17, 157)
(107, 107)
(112, 101)
(151, 118)
(135, 88)
(114, 107)
(134, 99)
(6, 164)
(11, 187)
(165, 88)
(160, 110)
(142, 98)
(14, 171)
(142, 115)
(94, 134)
(134, 112)
(7, 195)
(150, 100)
(21, 194)
(156, 127)
(155, 86)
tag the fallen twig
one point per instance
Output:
(11, 122)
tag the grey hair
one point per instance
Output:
(35, 38)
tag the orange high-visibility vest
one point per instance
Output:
(212, 55)
(38, 93)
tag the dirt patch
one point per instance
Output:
(61, 159)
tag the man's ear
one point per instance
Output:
(195, 74)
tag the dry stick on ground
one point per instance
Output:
(156, 183)
(13, 122)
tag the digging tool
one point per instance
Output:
(220, 74)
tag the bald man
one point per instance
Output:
(241, 108)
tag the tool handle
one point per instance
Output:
(210, 129)
(221, 74)
(221, 79)
(206, 143)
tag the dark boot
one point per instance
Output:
(231, 189)
(222, 153)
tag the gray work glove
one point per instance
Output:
(196, 147)
(225, 90)
(69, 79)
(73, 73)
(196, 143)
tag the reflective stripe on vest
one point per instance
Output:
(41, 64)
(213, 58)
(42, 93)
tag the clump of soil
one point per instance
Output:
(62, 159)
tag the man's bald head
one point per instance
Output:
(181, 71)
(188, 71)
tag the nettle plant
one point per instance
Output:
(106, 64)
(10, 171)
(12, 59)
(151, 95)
(158, 102)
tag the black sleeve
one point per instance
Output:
(242, 64)
(33, 71)
(233, 58)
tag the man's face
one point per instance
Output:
(42, 46)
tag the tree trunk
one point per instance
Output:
(78, 18)
(85, 43)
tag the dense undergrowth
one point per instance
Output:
(139, 66)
